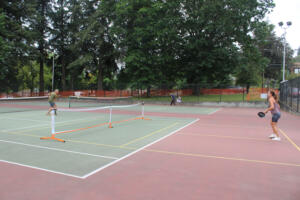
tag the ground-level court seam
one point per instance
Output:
(61, 150)
(136, 151)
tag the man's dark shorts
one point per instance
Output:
(52, 104)
(275, 117)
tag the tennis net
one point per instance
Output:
(83, 102)
(21, 104)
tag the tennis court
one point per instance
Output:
(152, 152)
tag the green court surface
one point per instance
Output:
(88, 148)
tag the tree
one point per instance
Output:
(252, 65)
(94, 43)
(40, 30)
(184, 40)
(15, 41)
(148, 37)
(60, 36)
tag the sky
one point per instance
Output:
(287, 10)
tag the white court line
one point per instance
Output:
(32, 120)
(217, 110)
(62, 150)
(51, 171)
(21, 128)
(140, 149)
(45, 125)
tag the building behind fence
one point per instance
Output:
(290, 95)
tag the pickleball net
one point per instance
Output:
(105, 116)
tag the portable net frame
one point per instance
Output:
(136, 110)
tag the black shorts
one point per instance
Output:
(52, 104)
(275, 117)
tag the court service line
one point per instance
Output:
(223, 158)
(193, 154)
(289, 139)
(23, 134)
(148, 135)
(213, 112)
(136, 151)
(30, 120)
(56, 149)
(37, 127)
(221, 136)
(42, 169)
(232, 126)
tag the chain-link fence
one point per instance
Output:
(290, 95)
(186, 93)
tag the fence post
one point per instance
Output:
(291, 96)
(286, 94)
(198, 92)
(243, 94)
(298, 98)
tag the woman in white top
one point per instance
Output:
(274, 107)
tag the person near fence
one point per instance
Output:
(274, 108)
(173, 100)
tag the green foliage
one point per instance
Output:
(93, 41)
(28, 76)
(134, 43)
(296, 59)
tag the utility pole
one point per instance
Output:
(281, 24)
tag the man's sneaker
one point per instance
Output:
(272, 135)
(276, 138)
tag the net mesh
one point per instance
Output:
(100, 116)
(9, 105)
(82, 102)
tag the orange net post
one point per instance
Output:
(52, 129)
(52, 138)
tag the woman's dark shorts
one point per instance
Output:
(52, 104)
(275, 117)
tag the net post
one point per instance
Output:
(143, 110)
(52, 113)
(69, 98)
(110, 113)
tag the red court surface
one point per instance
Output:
(226, 155)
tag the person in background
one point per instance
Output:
(173, 100)
(179, 100)
(52, 98)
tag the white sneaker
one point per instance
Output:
(276, 138)
(272, 136)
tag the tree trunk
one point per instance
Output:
(63, 74)
(41, 75)
(100, 78)
(148, 91)
(63, 63)
(247, 88)
(42, 45)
